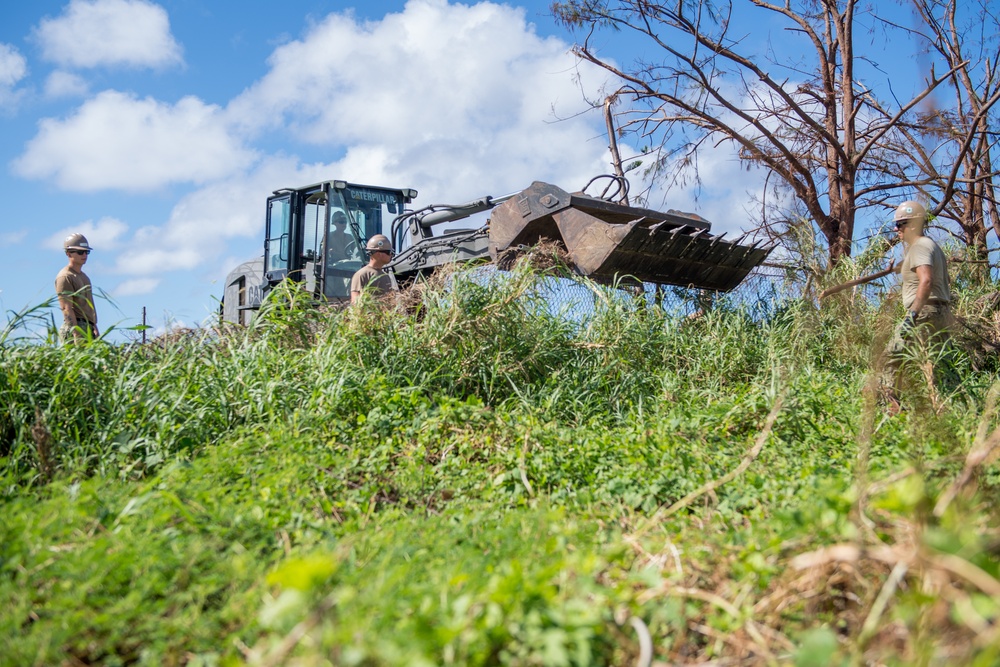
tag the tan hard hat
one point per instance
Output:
(76, 242)
(379, 242)
(910, 210)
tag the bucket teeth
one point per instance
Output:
(610, 242)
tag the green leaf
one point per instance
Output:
(818, 648)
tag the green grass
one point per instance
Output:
(476, 481)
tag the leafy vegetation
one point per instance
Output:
(472, 479)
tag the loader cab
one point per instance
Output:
(317, 234)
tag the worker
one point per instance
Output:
(73, 289)
(337, 239)
(926, 293)
(371, 276)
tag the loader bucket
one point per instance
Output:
(612, 243)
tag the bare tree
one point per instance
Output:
(822, 133)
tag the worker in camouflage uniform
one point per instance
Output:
(73, 289)
(371, 277)
(926, 294)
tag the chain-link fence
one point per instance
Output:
(578, 300)
(761, 292)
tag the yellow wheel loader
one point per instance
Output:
(317, 235)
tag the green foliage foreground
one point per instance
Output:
(477, 481)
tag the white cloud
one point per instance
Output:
(103, 235)
(13, 66)
(8, 239)
(456, 100)
(115, 141)
(92, 33)
(65, 84)
(202, 222)
(135, 287)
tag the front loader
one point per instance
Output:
(316, 235)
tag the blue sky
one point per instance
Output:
(158, 128)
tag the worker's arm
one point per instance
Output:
(357, 285)
(66, 306)
(923, 288)
(64, 292)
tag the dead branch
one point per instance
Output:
(749, 458)
(858, 281)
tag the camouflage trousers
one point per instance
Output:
(931, 330)
(76, 332)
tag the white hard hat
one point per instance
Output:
(379, 242)
(910, 210)
(76, 242)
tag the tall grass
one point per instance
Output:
(127, 409)
(467, 477)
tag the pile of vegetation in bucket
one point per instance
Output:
(472, 479)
